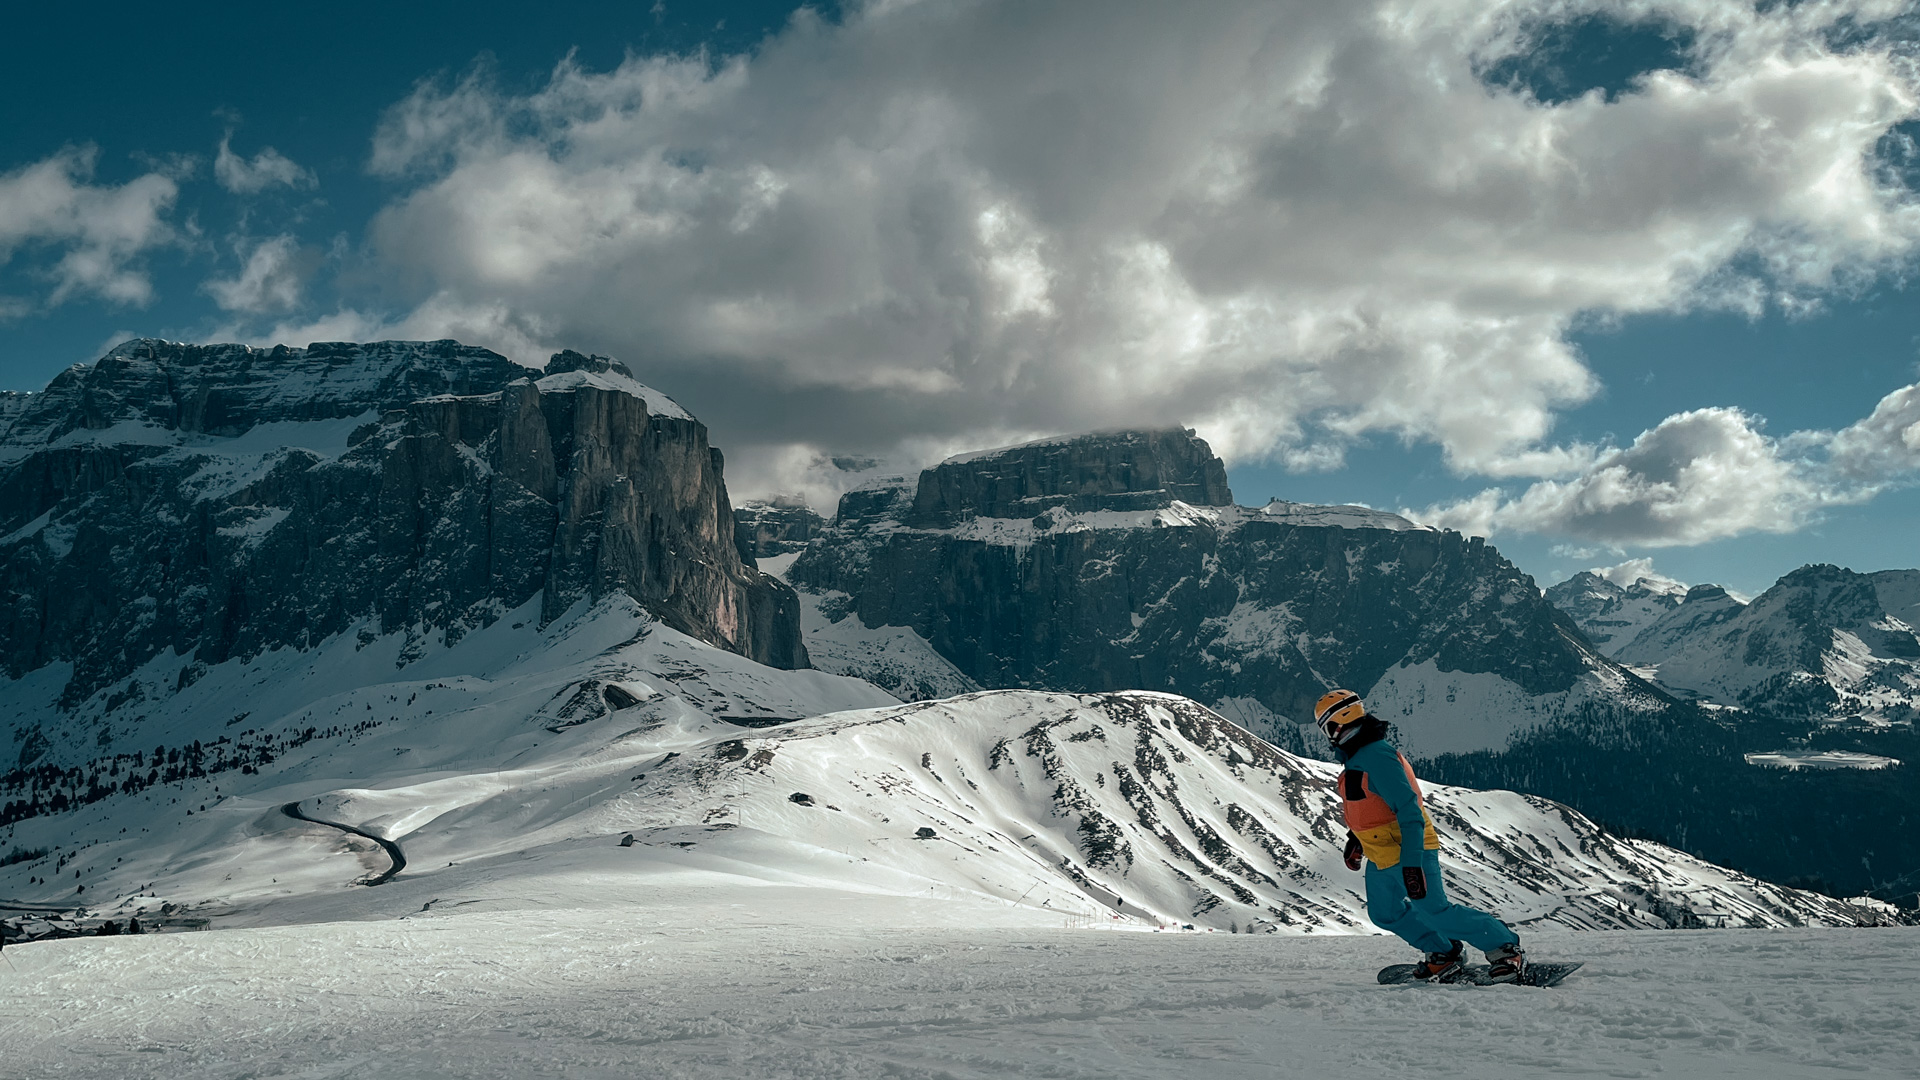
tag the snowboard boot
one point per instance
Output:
(1441, 966)
(1508, 962)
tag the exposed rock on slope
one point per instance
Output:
(1083, 564)
(217, 501)
(1158, 809)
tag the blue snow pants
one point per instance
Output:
(1432, 923)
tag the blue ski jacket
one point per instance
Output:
(1387, 776)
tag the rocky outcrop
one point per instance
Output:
(1121, 470)
(1699, 611)
(1257, 611)
(780, 526)
(221, 500)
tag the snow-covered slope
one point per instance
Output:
(509, 765)
(1704, 608)
(774, 988)
(1612, 615)
(892, 657)
(183, 802)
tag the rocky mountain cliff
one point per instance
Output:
(1702, 608)
(1822, 643)
(1795, 752)
(1118, 560)
(209, 502)
(780, 526)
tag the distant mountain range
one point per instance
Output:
(1824, 643)
(504, 615)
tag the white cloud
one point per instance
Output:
(1290, 223)
(271, 279)
(1626, 573)
(268, 168)
(99, 230)
(1706, 475)
(1884, 445)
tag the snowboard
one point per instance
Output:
(1535, 974)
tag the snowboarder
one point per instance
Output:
(1388, 826)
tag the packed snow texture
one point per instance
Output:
(633, 854)
(803, 984)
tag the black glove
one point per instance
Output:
(1416, 880)
(1354, 853)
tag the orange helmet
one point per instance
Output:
(1336, 709)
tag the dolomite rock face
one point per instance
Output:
(1080, 564)
(222, 500)
(782, 526)
(1120, 470)
(1823, 643)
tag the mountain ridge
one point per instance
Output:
(1069, 583)
(215, 501)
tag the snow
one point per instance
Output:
(892, 657)
(1725, 652)
(778, 565)
(782, 982)
(1821, 759)
(658, 404)
(328, 438)
(31, 528)
(1448, 712)
(982, 455)
(1021, 532)
(1341, 517)
(255, 528)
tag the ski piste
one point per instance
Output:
(1540, 974)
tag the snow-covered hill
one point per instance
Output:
(510, 764)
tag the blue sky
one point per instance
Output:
(908, 229)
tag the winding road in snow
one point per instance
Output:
(399, 857)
